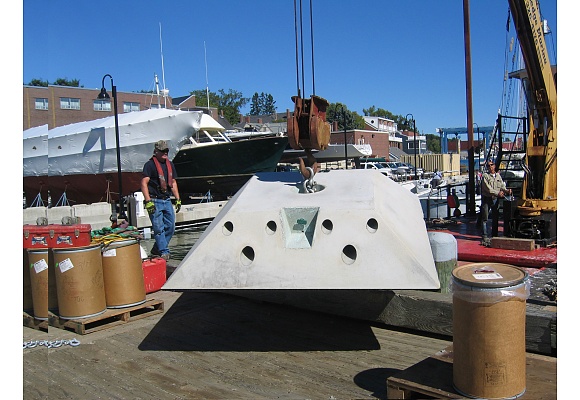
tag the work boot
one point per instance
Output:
(166, 256)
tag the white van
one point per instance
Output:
(377, 166)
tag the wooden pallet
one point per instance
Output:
(31, 322)
(111, 317)
(432, 378)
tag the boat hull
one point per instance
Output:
(234, 158)
(221, 169)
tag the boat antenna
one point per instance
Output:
(157, 89)
(206, 80)
(162, 70)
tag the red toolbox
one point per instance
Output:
(56, 236)
(36, 236)
(154, 274)
(62, 236)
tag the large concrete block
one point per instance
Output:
(359, 230)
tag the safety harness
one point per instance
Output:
(164, 184)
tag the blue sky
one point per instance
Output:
(403, 56)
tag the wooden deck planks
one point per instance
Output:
(217, 346)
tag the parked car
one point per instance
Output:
(402, 168)
(378, 166)
(411, 167)
(390, 165)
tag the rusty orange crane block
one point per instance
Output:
(307, 127)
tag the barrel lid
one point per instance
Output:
(91, 246)
(120, 243)
(37, 250)
(490, 275)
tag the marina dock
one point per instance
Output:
(215, 345)
(219, 346)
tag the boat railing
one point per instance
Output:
(452, 195)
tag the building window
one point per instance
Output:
(102, 105)
(67, 103)
(41, 104)
(129, 106)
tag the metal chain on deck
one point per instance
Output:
(50, 344)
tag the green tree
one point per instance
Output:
(269, 105)
(433, 143)
(334, 112)
(201, 96)
(255, 106)
(67, 82)
(230, 103)
(262, 104)
(38, 82)
(402, 123)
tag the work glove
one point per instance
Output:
(177, 205)
(150, 207)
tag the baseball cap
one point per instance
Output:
(161, 145)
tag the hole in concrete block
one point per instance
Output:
(372, 225)
(349, 254)
(228, 228)
(247, 256)
(327, 226)
(271, 227)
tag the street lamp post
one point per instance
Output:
(345, 145)
(414, 140)
(104, 96)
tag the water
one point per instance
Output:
(180, 244)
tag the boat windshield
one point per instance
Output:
(205, 136)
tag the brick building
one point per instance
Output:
(62, 105)
(380, 133)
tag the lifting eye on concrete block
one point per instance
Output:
(372, 225)
(327, 226)
(228, 228)
(247, 256)
(271, 227)
(349, 254)
(298, 225)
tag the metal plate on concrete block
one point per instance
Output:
(361, 230)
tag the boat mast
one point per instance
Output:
(206, 80)
(162, 70)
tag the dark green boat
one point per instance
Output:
(212, 162)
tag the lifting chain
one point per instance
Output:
(307, 126)
(50, 344)
(309, 184)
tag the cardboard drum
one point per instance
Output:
(123, 274)
(489, 333)
(79, 281)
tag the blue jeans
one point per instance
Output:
(163, 225)
(487, 205)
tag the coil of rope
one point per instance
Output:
(106, 236)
